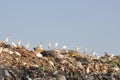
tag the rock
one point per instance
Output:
(1, 74)
(55, 73)
(90, 78)
(39, 55)
(60, 77)
(6, 73)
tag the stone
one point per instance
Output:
(60, 77)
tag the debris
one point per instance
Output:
(39, 55)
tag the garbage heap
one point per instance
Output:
(18, 63)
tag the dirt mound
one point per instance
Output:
(18, 63)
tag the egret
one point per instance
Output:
(13, 45)
(64, 47)
(19, 43)
(40, 46)
(94, 54)
(112, 55)
(49, 45)
(56, 45)
(27, 45)
(77, 48)
(85, 51)
(6, 40)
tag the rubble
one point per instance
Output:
(18, 63)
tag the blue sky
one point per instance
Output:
(92, 24)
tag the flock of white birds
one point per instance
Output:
(77, 48)
(18, 44)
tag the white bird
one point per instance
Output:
(6, 40)
(94, 54)
(40, 46)
(19, 43)
(13, 45)
(64, 47)
(85, 51)
(77, 48)
(27, 45)
(98, 57)
(56, 45)
(112, 55)
(49, 45)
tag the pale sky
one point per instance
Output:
(92, 24)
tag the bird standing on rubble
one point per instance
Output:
(6, 40)
(64, 47)
(13, 45)
(56, 45)
(19, 43)
(77, 48)
(85, 50)
(27, 45)
(49, 45)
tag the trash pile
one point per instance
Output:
(19, 63)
